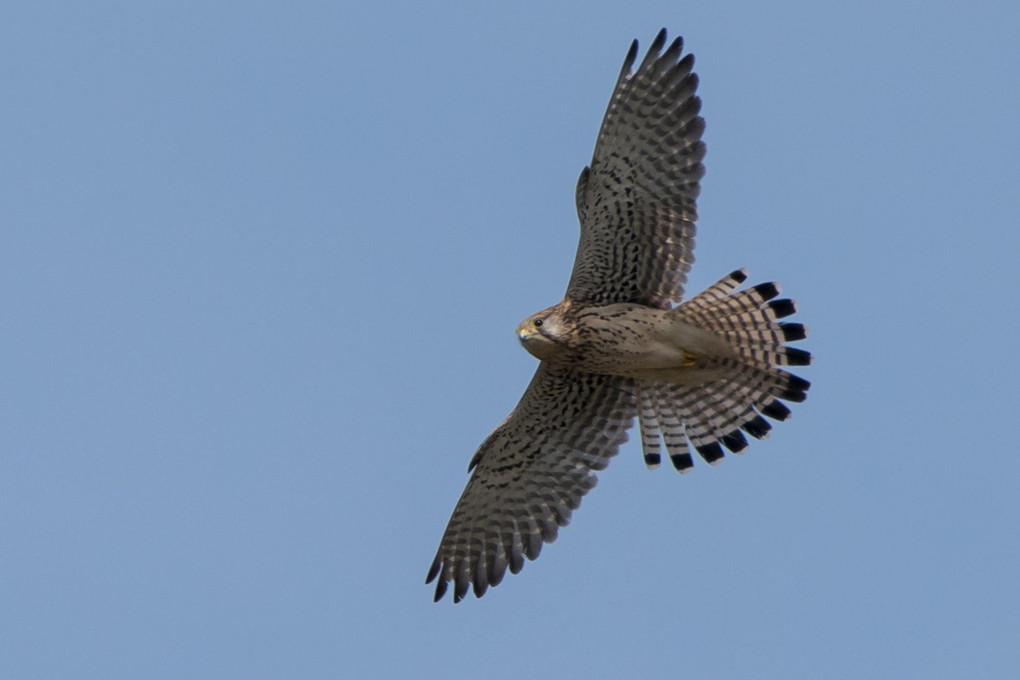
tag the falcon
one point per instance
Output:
(621, 346)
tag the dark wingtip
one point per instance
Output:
(496, 575)
(433, 571)
(660, 40)
(440, 590)
(672, 53)
(532, 545)
(738, 275)
(653, 460)
(629, 60)
(460, 589)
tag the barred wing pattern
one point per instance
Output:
(530, 474)
(636, 202)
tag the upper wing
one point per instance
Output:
(636, 202)
(530, 474)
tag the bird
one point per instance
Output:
(622, 346)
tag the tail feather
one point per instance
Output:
(705, 415)
(718, 291)
(793, 331)
(673, 434)
(650, 434)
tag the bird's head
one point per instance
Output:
(541, 334)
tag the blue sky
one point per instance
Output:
(260, 266)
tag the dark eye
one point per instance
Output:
(538, 323)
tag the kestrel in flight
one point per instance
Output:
(619, 346)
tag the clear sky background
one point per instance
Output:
(260, 266)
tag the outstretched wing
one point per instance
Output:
(636, 202)
(530, 474)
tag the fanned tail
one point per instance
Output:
(715, 414)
